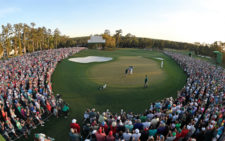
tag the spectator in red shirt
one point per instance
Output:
(183, 133)
(105, 126)
(110, 137)
(74, 125)
(48, 106)
(113, 127)
(100, 135)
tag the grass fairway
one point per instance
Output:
(77, 83)
(114, 72)
(1, 138)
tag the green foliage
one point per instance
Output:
(23, 38)
(110, 41)
(118, 36)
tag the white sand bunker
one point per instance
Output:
(159, 59)
(90, 59)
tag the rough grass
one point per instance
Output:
(72, 81)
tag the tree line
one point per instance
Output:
(131, 41)
(22, 38)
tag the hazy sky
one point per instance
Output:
(179, 20)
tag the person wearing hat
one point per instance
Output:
(136, 135)
(113, 127)
(75, 125)
(93, 137)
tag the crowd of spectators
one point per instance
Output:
(196, 114)
(26, 98)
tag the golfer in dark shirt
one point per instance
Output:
(126, 71)
(146, 81)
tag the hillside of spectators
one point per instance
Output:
(26, 97)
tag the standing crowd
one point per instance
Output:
(197, 114)
(26, 98)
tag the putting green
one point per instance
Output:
(113, 73)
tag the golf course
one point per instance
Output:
(113, 72)
(78, 84)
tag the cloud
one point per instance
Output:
(6, 11)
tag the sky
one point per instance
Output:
(177, 20)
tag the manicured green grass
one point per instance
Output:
(113, 73)
(1, 138)
(74, 82)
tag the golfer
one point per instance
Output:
(126, 71)
(103, 87)
(131, 69)
(146, 81)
